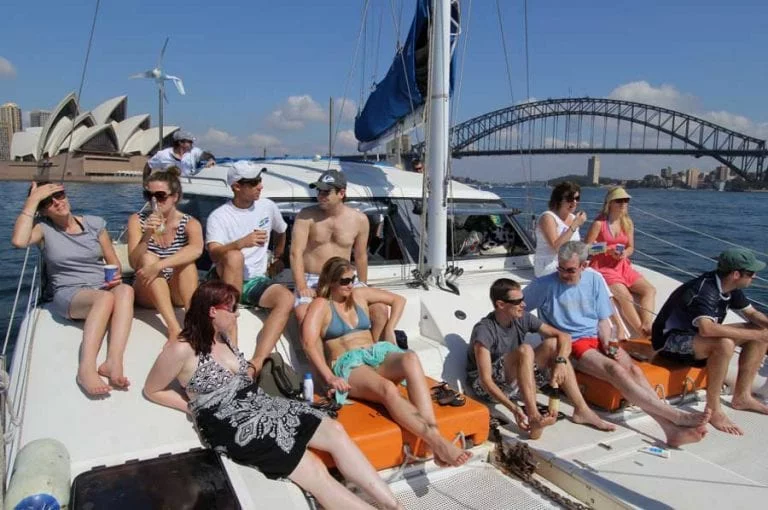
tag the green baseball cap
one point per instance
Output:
(739, 259)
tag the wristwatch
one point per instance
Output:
(561, 360)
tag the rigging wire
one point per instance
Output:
(80, 88)
(348, 80)
(454, 115)
(655, 216)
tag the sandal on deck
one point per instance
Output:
(543, 410)
(447, 396)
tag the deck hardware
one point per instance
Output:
(606, 446)
(460, 315)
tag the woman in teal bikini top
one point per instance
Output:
(338, 328)
(362, 368)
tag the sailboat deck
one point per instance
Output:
(605, 467)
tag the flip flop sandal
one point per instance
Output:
(447, 396)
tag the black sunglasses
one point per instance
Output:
(47, 201)
(513, 301)
(573, 198)
(250, 182)
(160, 196)
(569, 270)
(347, 281)
(622, 200)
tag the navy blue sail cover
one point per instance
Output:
(405, 87)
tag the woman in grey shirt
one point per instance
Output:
(75, 249)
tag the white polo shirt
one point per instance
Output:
(228, 223)
(166, 158)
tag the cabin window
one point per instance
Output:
(485, 230)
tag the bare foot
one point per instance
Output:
(447, 453)
(173, 334)
(587, 416)
(678, 436)
(91, 383)
(692, 418)
(114, 372)
(722, 422)
(749, 403)
(538, 422)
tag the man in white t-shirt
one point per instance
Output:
(237, 237)
(182, 155)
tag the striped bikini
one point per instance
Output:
(180, 240)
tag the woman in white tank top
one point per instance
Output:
(557, 226)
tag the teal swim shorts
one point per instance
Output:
(372, 356)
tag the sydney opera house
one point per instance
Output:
(100, 144)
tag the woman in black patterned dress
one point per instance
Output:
(235, 417)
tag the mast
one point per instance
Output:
(437, 136)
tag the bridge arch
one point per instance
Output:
(561, 126)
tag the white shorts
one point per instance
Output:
(312, 279)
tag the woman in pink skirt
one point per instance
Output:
(615, 228)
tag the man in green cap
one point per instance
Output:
(690, 329)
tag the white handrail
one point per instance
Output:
(16, 300)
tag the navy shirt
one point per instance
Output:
(696, 299)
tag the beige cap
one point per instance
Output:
(617, 193)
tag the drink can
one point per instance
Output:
(619, 248)
(613, 347)
(110, 270)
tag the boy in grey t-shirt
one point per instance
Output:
(500, 367)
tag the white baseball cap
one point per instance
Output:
(243, 170)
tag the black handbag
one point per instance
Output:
(278, 379)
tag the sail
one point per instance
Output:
(403, 90)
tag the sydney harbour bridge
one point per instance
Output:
(605, 126)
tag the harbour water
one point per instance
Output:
(707, 218)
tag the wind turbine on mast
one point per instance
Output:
(160, 78)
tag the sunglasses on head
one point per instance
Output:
(250, 182)
(622, 200)
(347, 281)
(160, 196)
(573, 198)
(568, 270)
(513, 301)
(47, 201)
(228, 308)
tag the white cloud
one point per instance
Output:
(347, 107)
(6, 69)
(666, 96)
(220, 138)
(260, 140)
(345, 142)
(669, 97)
(295, 112)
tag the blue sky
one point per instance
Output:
(262, 72)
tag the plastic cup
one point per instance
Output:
(110, 270)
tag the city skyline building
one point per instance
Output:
(38, 118)
(593, 169)
(692, 177)
(5, 145)
(10, 117)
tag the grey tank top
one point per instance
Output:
(73, 260)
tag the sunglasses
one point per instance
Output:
(568, 270)
(250, 182)
(47, 201)
(347, 281)
(227, 308)
(622, 200)
(160, 196)
(513, 301)
(748, 274)
(573, 198)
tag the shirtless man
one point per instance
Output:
(330, 229)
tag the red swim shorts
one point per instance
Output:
(584, 344)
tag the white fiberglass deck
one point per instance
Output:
(124, 426)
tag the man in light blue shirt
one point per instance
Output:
(575, 300)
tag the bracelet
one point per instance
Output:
(25, 213)
(561, 360)
(572, 228)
